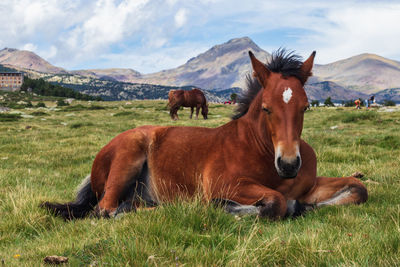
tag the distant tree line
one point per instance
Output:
(41, 87)
(5, 69)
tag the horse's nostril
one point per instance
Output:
(298, 160)
(279, 161)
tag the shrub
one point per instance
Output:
(39, 113)
(93, 107)
(78, 107)
(80, 124)
(61, 103)
(9, 117)
(315, 103)
(14, 105)
(328, 102)
(389, 103)
(124, 113)
(40, 105)
(349, 103)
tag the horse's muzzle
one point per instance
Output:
(288, 169)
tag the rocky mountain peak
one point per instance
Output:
(233, 46)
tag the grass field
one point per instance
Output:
(44, 155)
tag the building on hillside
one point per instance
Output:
(11, 81)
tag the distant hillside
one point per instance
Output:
(367, 73)
(117, 74)
(44, 88)
(389, 94)
(21, 59)
(323, 90)
(5, 69)
(113, 90)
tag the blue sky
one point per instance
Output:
(152, 35)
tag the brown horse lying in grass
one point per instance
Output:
(193, 99)
(257, 163)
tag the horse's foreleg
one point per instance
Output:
(250, 197)
(172, 112)
(191, 112)
(197, 112)
(176, 117)
(336, 191)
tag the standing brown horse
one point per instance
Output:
(257, 163)
(193, 98)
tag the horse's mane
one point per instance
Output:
(282, 61)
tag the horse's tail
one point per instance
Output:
(85, 200)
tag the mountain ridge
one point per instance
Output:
(23, 59)
(225, 66)
(367, 73)
(220, 67)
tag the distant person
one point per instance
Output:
(358, 103)
(367, 103)
(372, 99)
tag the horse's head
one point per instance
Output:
(283, 103)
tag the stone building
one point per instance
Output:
(11, 81)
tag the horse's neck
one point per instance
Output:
(255, 124)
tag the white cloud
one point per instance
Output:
(110, 22)
(160, 59)
(359, 29)
(29, 47)
(153, 34)
(180, 17)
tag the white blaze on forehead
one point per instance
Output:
(287, 95)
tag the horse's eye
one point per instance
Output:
(307, 107)
(266, 110)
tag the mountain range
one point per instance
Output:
(222, 69)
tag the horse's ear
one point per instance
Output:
(260, 70)
(307, 67)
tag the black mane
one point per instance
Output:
(282, 61)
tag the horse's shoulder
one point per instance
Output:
(306, 148)
(308, 155)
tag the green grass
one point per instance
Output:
(124, 113)
(356, 116)
(48, 160)
(9, 117)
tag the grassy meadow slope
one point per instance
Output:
(47, 160)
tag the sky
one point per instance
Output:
(152, 35)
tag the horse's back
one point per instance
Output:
(191, 98)
(194, 97)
